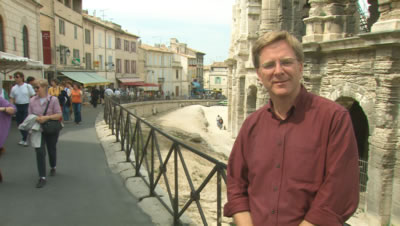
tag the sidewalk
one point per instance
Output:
(84, 191)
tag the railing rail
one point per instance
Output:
(128, 129)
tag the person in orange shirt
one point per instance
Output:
(76, 99)
(54, 90)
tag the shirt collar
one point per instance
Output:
(298, 104)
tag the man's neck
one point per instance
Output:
(20, 83)
(282, 105)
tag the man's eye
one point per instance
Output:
(288, 62)
(269, 65)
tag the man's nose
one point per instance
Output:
(278, 68)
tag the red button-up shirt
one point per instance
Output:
(303, 167)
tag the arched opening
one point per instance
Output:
(374, 14)
(25, 41)
(361, 131)
(2, 42)
(251, 102)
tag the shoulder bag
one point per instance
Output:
(51, 126)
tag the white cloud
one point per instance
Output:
(203, 24)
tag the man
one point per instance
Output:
(295, 160)
(20, 94)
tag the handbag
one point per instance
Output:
(51, 126)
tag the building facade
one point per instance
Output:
(196, 63)
(216, 78)
(20, 38)
(348, 60)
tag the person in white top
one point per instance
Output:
(20, 95)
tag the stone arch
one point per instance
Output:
(373, 13)
(361, 131)
(251, 101)
(365, 99)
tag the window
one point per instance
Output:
(110, 63)
(67, 3)
(15, 43)
(88, 61)
(126, 45)
(127, 66)
(61, 26)
(118, 43)
(119, 68)
(101, 62)
(133, 66)
(109, 41)
(217, 80)
(100, 40)
(63, 55)
(2, 42)
(87, 36)
(76, 60)
(133, 47)
(177, 74)
(25, 41)
(75, 32)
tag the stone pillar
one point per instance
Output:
(231, 71)
(330, 20)
(389, 18)
(269, 15)
(384, 140)
(311, 67)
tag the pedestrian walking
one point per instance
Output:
(55, 89)
(220, 122)
(45, 107)
(94, 96)
(76, 99)
(6, 111)
(20, 94)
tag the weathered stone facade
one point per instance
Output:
(359, 70)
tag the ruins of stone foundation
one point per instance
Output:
(349, 58)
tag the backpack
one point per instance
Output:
(64, 99)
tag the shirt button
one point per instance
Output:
(278, 165)
(275, 189)
(273, 211)
(279, 143)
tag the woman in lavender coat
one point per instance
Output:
(6, 111)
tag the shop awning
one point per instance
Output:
(86, 78)
(136, 82)
(10, 62)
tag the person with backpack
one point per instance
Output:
(65, 103)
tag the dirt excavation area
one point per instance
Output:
(195, 126)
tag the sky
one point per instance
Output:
(204, 25)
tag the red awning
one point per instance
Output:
(140, 84)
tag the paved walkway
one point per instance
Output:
(84, 191)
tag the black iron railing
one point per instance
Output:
(141, 139)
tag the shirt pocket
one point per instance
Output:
(304, 163)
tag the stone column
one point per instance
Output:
(384, 140)
(231, 71)
(330, 20)
(269, 15)
(389, 19)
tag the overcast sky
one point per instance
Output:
(205, 25)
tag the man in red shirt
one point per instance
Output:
(295, 160)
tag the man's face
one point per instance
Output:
(280, 71)
(17, 78)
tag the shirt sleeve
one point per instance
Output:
(337, 199)
(31, 90)
(55, 106)
(237, 181)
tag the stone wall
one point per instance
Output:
(149, 108)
